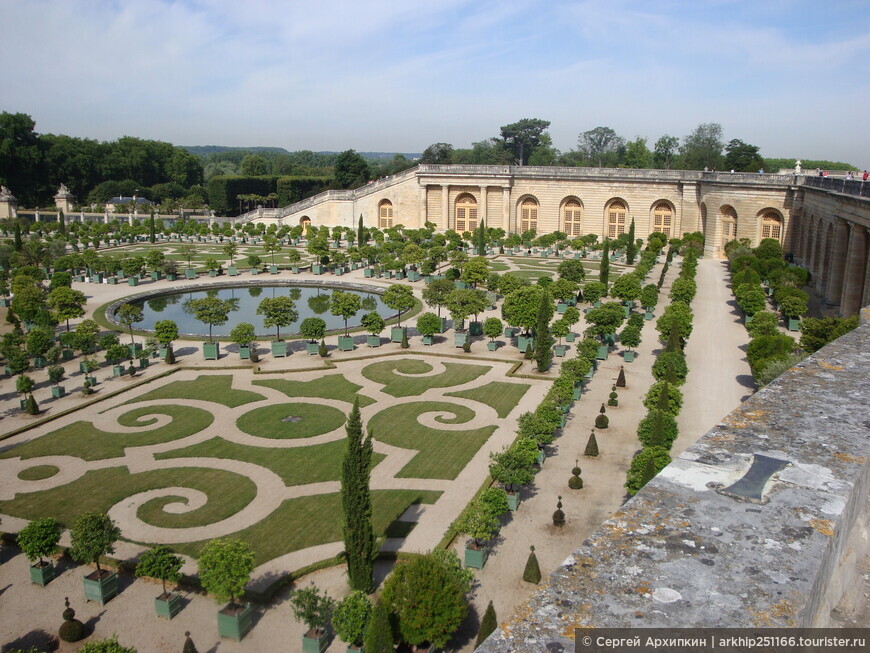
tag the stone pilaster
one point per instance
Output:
(423, 208)
(446, 218)
(506, 209)
(837, 264)
(856, 264)
(482, 212)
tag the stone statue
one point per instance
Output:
(63, 190)
(797, 167)
(5, 193)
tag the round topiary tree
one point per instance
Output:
(644, 466)
(351, 617)
(602, 422)
(664, 396)
(39, 539)
(93, 535)
(658, 428)
(575, 482)
(160, 563)
(225, 566)
(559, 515)
(532, 571)
(71, 630)
(613, 399)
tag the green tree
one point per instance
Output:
(435, 294)
(211, 311)
(437, 153)
(521, 307)
(254, 165)
(644, 466)
(379, 632)
(487, 625)
(108, 645)
(345, 305)
(428, 324)
(128, 315)
(66, 303)
(159, 562)
(572, 270)
(474, 271)
(523, 136)
(312, 328)
(601, 146)
(818, 332)
(665, 151)
(492, 328)
(464, 302)
(532, 571)
(20, 157)
(399, 298)
(637, 154)
(604, 268)
(351, 170)
(742, 157)
(543, 336)
(626, 287)
(703, 147)
(278, 312)
(373, 323)
(351, 617)
(311, 608)
(427, 599)
(649, 296)
(683, 289)
(512, 467)
(225, 566)
(658, 428)
(93, 535)
(39, 539)
(631, 245)
(678, 314)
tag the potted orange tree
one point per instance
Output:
(162, 564)
(225, 566)
(314, 610)
(93, 536)
(38, 540)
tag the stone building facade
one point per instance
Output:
(824, 228)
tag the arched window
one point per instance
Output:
(571, 215)
(728, 216)
(466, 213)
(385, 214)
(305, 222)
(771, 226)
(529, 215)
(615, 219)
(663, 217)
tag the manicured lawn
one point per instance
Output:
(399, 385)
(204, 388)
(309, 521)
(329, 386)
(533, 275)
(501, 396)
(497, 266)
(84, 440)
(442, 454)
(296, 466)
(280, 421)
(99, 490)
(38, 472)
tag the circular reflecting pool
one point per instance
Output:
(310, 301)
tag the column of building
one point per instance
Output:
(446, 222)
(506, 209)
(482, 214)
(855, 273)
(837, 263)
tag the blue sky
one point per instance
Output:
(791, 76)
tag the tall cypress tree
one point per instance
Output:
(152, 229)
(17, 242)
(481, 238)
(631, 248)
(360, 232)
(604, 270)
(359, 540)
(61, 222)
(543, 338)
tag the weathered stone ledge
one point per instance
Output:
(688, 551)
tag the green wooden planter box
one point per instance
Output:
(428, 340)
(610, 339)
(396, 334)
(42, 575)
(459, 339)
(492, 345)
(244, 352)
(210, 351)
(571, 337)
(39, 362)
(235, 621)
(273, 269)
(475, 328)
(602, 353)
(561, 307)
(255, 271)
(509, 332)
(413, 275)
(132, 281)
(562, 421)
(212, 273)
(577, 392)
(312, 348)
(373, 341)
(233, 271)
(444, 324)
(368, 273)
(542, 455)
(134, 349)
(559, 350)
(523, 343)
(190, 274)
(345, 343)
(66, 354)
(58, 391)
(118, 370)
(155, 276)
(171, 277)
(794, 324)
(628, 356)
(294, 269)
(460, 285)
(316, 269)
(101, 590)
(648, 315)
(279, 348)
(4, 302)
(315, 642)
(513, 499)
(476, 558)
(167, 605)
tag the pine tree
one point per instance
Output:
(487, 624)
(360, 232)
(604, 270)
(379, 633)
(532, 572)
(359, 541)
(543, 338)
(591, 446)
(631, 248)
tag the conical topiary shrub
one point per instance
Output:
(189, 646)
(487, 624)
(575, 482)
(559, 516)
(405, 344)
(322, 351)
(71, 630)
(602, 422)
(466, 347)
(170, 356)
(532, 572)
(530, 353)
(620, 380)
(32, 406)
(591, 446)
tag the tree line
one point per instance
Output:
(527, 142)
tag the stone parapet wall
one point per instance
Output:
(708, 544)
